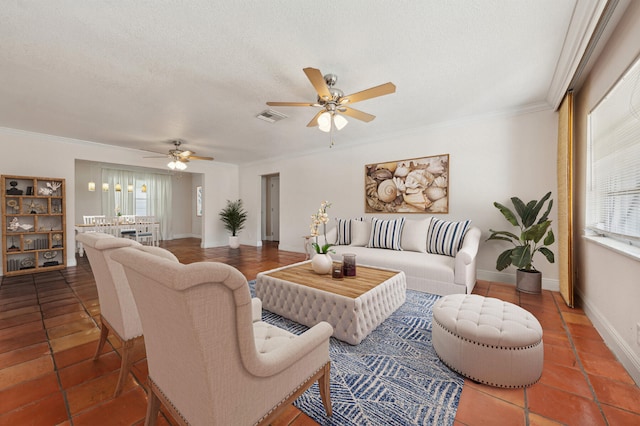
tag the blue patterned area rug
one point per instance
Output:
(393, 377)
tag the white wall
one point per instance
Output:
(491, 159)
(607, 282)
(33, 154)
(183, 211)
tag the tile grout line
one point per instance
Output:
(525, 401)
(53, 358)
(580, 365)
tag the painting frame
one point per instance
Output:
(198, 201)
(414, 185)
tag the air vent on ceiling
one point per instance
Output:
(271, 116)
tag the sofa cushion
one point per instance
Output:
(414, 235)
(417, 266)
(386, 233)
(446, 237)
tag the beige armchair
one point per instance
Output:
(209, 364)
(118, 312)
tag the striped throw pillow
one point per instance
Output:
(344, 230)
(446, 237)
(386, 234)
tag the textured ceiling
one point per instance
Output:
(140, 73)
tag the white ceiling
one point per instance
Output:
(140, 73)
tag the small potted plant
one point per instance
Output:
(525, 245)
(233, 217)
(321, 262)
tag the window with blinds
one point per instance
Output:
(613, 191)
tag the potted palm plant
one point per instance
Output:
(233, 217)
(535, 236)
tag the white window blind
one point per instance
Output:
(613, 193)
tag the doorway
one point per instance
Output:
(271, 207)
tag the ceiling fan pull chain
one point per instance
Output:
(331, 133)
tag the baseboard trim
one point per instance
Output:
(294, 249)
(627, 357)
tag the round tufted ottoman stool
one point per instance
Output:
(488, 340)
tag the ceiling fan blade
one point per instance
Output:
(317, 79)
(314, 120)
(359, 115)
(290, 104)
(197, 157)
(185, 153)
(373, 92)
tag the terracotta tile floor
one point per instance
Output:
(48, 334)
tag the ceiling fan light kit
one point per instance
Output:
(176, 165)
(333, 101)
(180, 157)
(327, 119)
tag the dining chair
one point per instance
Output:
(143, 233)
(90, 220)
(118, 312)
(127, 218)
(145, 230)
(208, 362)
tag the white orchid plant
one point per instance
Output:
(320, 218)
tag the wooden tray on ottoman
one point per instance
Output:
(353, 306)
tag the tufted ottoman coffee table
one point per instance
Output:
(488, 340)
(353, 306)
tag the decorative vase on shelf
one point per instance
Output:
(321, 263)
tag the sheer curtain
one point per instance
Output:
(118, 201)
(159, 196)
(159, 200)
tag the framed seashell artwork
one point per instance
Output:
(416, 185)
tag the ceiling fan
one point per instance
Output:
(333, 101)
(179, 156)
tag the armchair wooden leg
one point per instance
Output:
(104, 333)
(153, 406)
(125, 365)
(324, 383)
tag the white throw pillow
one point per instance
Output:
(414, 235)
(386, 233)
(360, 232)
(446, 237)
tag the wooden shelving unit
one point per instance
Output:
(33, 217)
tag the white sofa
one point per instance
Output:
(426, 271)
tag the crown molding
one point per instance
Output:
(584, 22)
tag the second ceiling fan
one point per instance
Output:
(333, 101)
